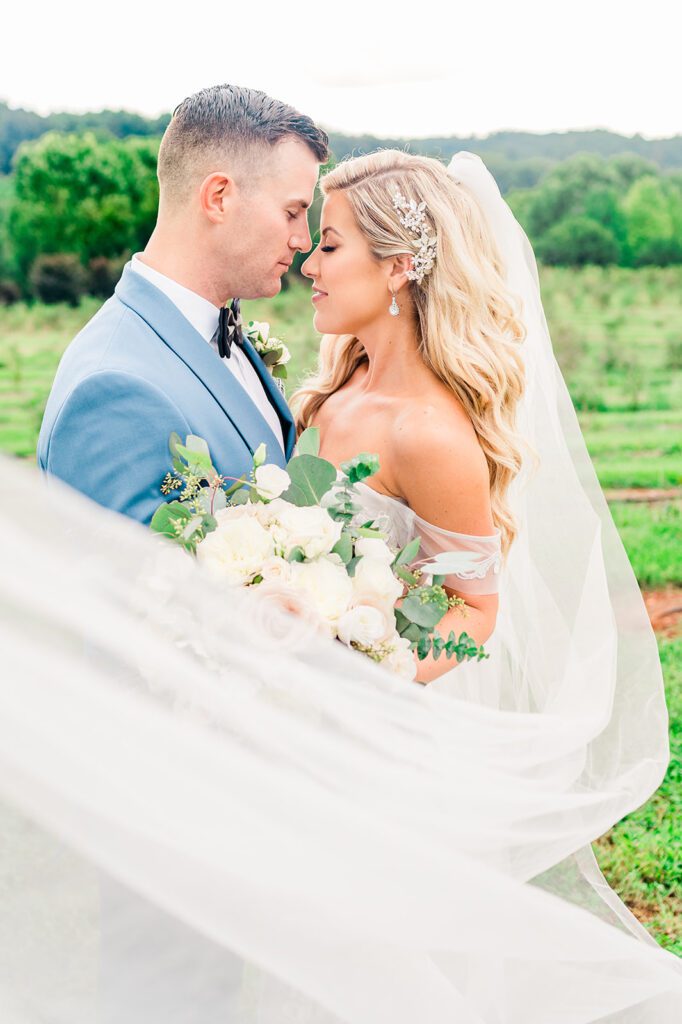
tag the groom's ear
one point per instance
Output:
(216, 192)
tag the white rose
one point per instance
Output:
(311, 528)
(375, 579)
(262, 327)
(401, 660)
(271, 481)
(373, 547)
(269, 513)
(327, 584)
(364, 625)
(276, 568)
(286, 614)
(233, 512)
(236, 550)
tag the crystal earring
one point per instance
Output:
(394, 308)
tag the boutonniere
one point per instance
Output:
(272, 351)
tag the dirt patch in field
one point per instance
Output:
(644, 494)
(665, 610)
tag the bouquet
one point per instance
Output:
(298, 536)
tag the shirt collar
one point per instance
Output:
(201, 313)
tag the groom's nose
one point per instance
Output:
(301, 240)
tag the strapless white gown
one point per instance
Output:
(401, 524)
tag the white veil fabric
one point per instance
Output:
(209, 815)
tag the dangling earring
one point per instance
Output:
(394, 308)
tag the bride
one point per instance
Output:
(208, 816)
(420, 363)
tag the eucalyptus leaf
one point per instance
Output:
(296, 554)
(422, 613)
(309, 442)
(405, 575)
(311, 478)
(165, 517)
(173, 441)
(423, 646)
(344, 548)
(280, 371)
(240, 497)
(197, 444)
(199, 463)
(359, 468)
(352, 565)
(219, 500)
(408, 553)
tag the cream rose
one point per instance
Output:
(286, 614)
(326, 583)
(374, 578)
(364, 625)
(401, 660)
(236, 550)
(276, 568)
(262, 327)
(373, 547)
(310, 528)
(271, 481)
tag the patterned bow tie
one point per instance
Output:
(229, 329)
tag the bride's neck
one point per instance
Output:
(395, 363)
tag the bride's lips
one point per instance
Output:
(318, 295)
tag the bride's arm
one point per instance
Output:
(442, 472)
(479, 623)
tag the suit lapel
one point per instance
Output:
(276, 397)
(175, 331)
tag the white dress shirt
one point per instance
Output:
(203, 316)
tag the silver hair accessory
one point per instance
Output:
(413, 217)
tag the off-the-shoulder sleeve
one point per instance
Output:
(479, 567)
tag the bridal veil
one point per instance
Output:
(210, 817)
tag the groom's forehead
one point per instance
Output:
(295, 170)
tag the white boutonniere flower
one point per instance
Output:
(272, 351)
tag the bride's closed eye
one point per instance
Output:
(328, 248)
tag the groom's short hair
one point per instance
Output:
(233, 122)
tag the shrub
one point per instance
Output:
(58, 277)
(659, 252)
(103, 275)
(576, 241)
(9, 292)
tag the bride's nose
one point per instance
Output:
(309, 266)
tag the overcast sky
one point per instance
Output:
(360, 65)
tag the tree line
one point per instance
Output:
(77, 204)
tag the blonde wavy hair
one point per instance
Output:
(469, 326)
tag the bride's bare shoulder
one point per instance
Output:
(439, 465)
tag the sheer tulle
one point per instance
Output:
(211, 814)
(479, 575)
(265, 831)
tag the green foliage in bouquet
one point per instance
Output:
(201, 492)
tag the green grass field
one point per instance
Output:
(617, 335)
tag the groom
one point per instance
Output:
(237, 171)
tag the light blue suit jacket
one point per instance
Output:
(136, 372)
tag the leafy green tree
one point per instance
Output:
(563, 192)
(7, 267)
(576, 241)
(649, 216)
(77, 194)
